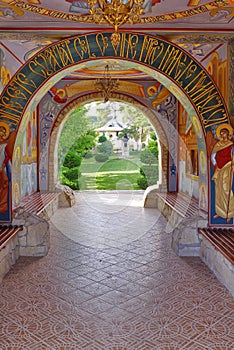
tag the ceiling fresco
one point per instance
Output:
(154, 13)
(43, 22)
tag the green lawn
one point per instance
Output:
(113, 164)
(109, 182)
(114, 174)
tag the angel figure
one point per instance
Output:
(222, 158)
(6, 150)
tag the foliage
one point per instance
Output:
(106, 148)
(131, 132)
(84, 144)
(74, 184)
(147, 157)
(150, 172)
(101, 157)
(153, 147)
(140, 126)
(153, 136)
(72, 160)
(72, 174)
(76, 124)
(102, 138)
(142, 182)
(89, 154)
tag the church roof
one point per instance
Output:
(111, 125)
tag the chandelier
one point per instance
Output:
(106, 84)
(115, 13)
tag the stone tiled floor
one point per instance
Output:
(112, 282)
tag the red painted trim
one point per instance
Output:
(138, 30)
(38, 145)
(210, 53)
(11, 53)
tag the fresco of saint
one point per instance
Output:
(82, 6)
(222, 158)
(6, 149)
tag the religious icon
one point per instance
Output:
(197, 127)
(222, 158)
(82, 6)
(202, 161)
(203, 196)
(6, 149)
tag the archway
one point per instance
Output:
(184, 76)
(58, 125)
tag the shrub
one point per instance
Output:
(102, 139)
(142, 182)
(150, 172)
(101, 157)
(72, 160)
(147, 157)
(153, 147)
(133, 151)
(89, 155)
(106, 147)
(71, 183)
(72, 174)
(153, 136)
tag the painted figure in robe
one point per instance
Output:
(222, 158)
(6, 150)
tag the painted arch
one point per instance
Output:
(169, 60)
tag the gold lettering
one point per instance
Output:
(80, 47)
(13, 106)
(128, 46)
(53, 60)
(33, 66)
(166, 56)
(144, 47)
(183, 67)
(88, 48)
(22, 81)
(200, 77)
(10, 117)
(152, 48)
(202, 90)
(15, 92)
(205, 110)
(215, 121)
(102, 43)
(174, 61)
(65, 53)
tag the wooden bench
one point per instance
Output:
(222, 239)
(7, 233)
(37, 202)
(183, 205)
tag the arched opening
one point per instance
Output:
(107, 146)
(149, 114)
(166, 62)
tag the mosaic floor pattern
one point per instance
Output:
(112, 282)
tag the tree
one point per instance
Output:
(84, 143)
(76, 124)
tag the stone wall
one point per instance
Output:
(217, 263)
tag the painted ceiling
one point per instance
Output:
(156, 14)
(198, 26)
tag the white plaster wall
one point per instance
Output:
(187, 184)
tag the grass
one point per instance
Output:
(109, 182)
(113, 164)
(114, 174)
